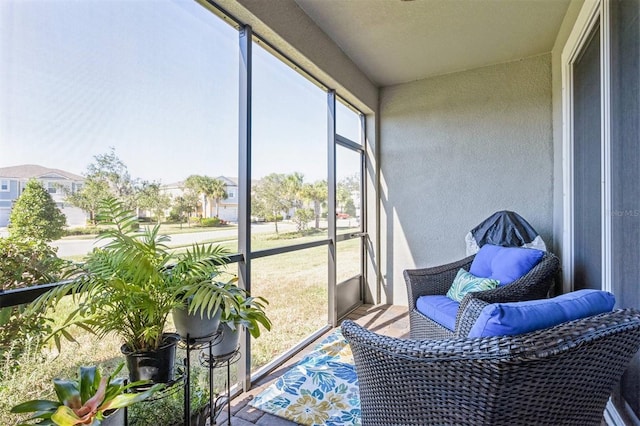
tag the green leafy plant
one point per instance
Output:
(129, 286)
(246, 310)
(87, 400)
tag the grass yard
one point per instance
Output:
(295, 284)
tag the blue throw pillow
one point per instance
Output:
(466, 282)
(481, 265)
(505, 264)
(508, 319)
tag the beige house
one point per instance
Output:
(228, 207)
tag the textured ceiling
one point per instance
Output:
(394, 41)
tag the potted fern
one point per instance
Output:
(92, 399)
(131, 285)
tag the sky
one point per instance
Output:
(156, 80)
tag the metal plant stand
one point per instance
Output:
(189, 345)
(217, 402)
(221, 400)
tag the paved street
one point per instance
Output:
(77, 247)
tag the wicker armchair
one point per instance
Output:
(437, 280)
(561, 375)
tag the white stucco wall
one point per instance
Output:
(453, 150)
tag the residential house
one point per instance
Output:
(227, 208)
(58, 183)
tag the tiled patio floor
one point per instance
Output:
(384, 319)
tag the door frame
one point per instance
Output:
(592, 13)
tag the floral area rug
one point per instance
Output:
(321, 389)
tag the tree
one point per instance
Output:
(317, 193)
(35, 215)
(150, 197)
(217, 191)
(111, 169)
(210, 188)
(343, 196)
(195, 183)
(106, 176)
(302, 218)
(268, 198)
(292, 190)
(89, 197)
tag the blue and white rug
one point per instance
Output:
(321, 389)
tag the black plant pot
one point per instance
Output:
(157, 366)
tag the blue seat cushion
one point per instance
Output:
(505, 264)
(440, 309)
(508, 319)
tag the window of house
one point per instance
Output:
(4, 185)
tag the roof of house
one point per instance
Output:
(28, 171)
(228, 180)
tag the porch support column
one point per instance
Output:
(331, 205)
(244, 194)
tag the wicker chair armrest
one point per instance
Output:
(468, 313)
(432, 281)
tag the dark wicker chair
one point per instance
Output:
(561, 375)
(437, 280)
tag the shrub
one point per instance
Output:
(86, 230)
(35, 215)
(210, 221)
(25, 264)
(175, 217)
(302, 218)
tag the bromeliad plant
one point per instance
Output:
(87, 400)
(130, 285)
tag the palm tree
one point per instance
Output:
(210, 188)
(217, 191)
(317, 193)
(195, 183)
